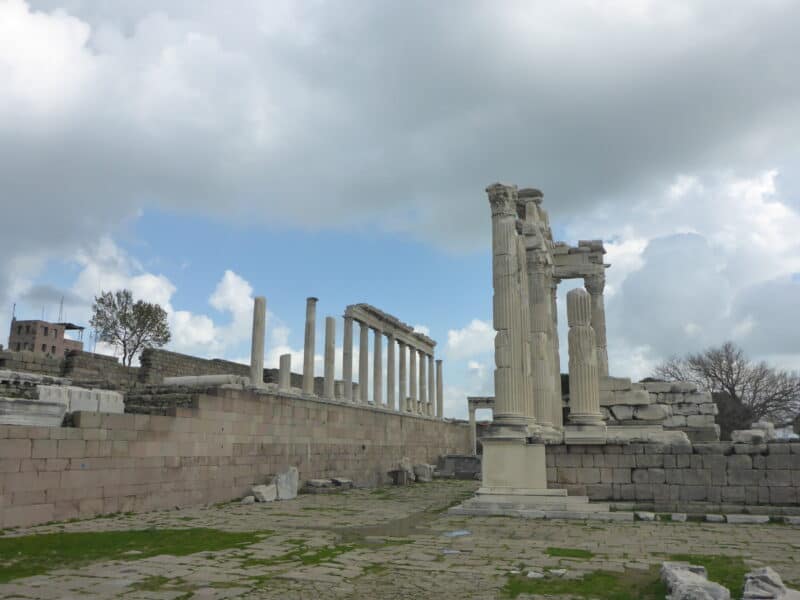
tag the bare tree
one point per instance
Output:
(767, 393)
(128, 325)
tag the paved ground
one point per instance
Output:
(387, 543)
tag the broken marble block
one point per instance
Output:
(690, 582)
(424, 472)
(406, 465)
(265, 493)
(287, 483)
(766, 584)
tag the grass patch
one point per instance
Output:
(30, 555)
(725, 570)
(599, 585)
(569, 553)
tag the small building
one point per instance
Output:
(43, 337)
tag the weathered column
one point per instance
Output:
(431, 386)
(308, 350)
(377, 367)
(285, 373)
(439, 390)
(257, 347)
(556, 404)
(347, 359)
(363, 363)
(412, 379)
(584, 382)
(390, 378)
(403, 399)
(330, 354)
(473, 431)
(541, 345)
(594, 285)
(423, 385)
(510, 372)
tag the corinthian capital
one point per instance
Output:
(503, 199)
(595, 283)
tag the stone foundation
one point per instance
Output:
(720, 476)
(213, 451)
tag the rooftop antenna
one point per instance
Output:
(61, 310)
(14, 311)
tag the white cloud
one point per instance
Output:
(474, 339)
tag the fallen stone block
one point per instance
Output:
(748, 436)
(406, 465)
(248, 500)
(265, 493)
(715, 518)
(424, 473)
(343, 483)
(791, 520)
(319, 483)
(747, 519)
(678, 517)
(690, 582)
(765, 584)
(645, 516)
(287, 484)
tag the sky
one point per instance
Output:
(201, 153)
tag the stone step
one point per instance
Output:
(578, 515)
(614, 384)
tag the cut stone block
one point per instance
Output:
(715, 518)
(747, 519)
(424, 472)
(287, 483)
(764, 584)
(633, 397)
(33, 413)
(690, 582)
(265, 493)
(653, 412)
(614, 384)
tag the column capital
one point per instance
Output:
(503, 199)
(595, 284)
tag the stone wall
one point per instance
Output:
(31, 362)
(157, 364)
(211, 452)
(98, 370)
(716, 476)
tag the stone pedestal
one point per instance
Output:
(512, 464)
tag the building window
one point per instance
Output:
(19, 329)
(27, 328)
(55, 333)
(46, 331)
(44, 348)
(19, 346)
(53, 351)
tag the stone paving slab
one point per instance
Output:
(388, 543)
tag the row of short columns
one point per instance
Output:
(420, 390)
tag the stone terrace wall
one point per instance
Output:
(31, 363)
(157, 364)
(98, 370)
(211, 452)
(716, 476)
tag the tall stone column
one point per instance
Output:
(403, 399)
(390, 377)
(539, 281)
(439, 390)
(308, 350)
(257, 347)
(412, 379)
(510, 372)
(473, 432)
(330, 357)
(285, 373)
(431, 386)
(556, 404)
(584, 382)
(377, 368)
(347, 359)
(423, 385)
(363, 363)
(595, 285)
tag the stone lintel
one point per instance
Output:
(390, 325)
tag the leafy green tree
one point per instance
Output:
(130, 326)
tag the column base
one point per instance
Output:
(549, 435)
(585, 434)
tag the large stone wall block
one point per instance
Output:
(653, 412)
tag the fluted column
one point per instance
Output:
(390, 377)
(510, 372)
(363, 363)
(595, 285)
(403, 399)
(557, 402)
(330, 357)
(431, 386)
(584, 382)
(439, 390)
(308, 350)
(423, 384)
(412, 379)
(347, 359)
(541, 345)
(377, 367)
(257, 347)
